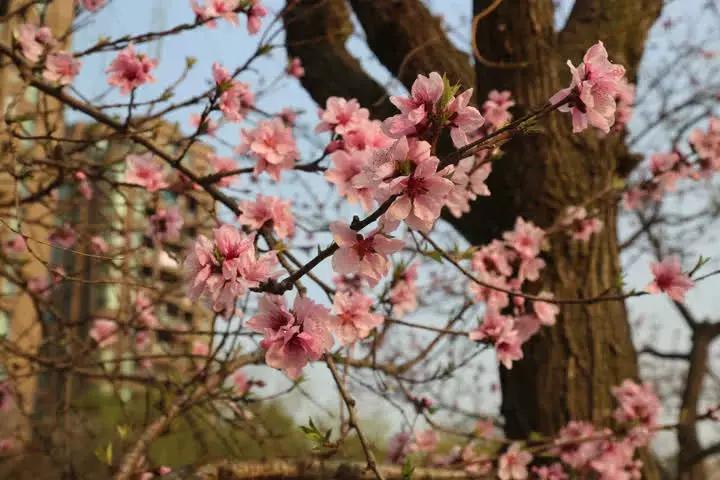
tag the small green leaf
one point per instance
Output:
(407, 469)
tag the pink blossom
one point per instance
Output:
(580, 227)
(398, 447)
(491, 294)
(6, 396)
(295, 68)
(166, 224)
(83, 185)
(403, 294)
(7, 445)
(574, 445)
(104, 332)
(615, 462)
(366, 256)
(347, 166)
(15, 245)
(61, 67)
(462, 118)
(98, 245)
(367, 135)
(272, 145)
(292, 338)
(493, 258)
(236, 98)
(495, 108)
(513, 463)
(414, 110)
(240, 382)
(707, 146)
(254, 16)
(92, 5)
(420, 193)
(216, 9)
(669, 278)
(637, 403)
(130, 70)
(353, 318)
(288, 116)
(469, 183)
(341, 116)
(63, 237)
(223, 166)
(145, 311)
(144, 171)
(625, 102)
(501, 332)
(593, 90)
(546, 312)
(226, 268)
(667, 169)
(34, 41)
(526, 238)
(268, 209)
(200, 349)
(634, 198)
(424, 441)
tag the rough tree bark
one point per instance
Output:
(568, 370)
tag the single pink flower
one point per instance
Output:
(546, 312)
(424, 441)
(236, 98)
(366, 256)
(501, 332)
(61, 67)
(615, 461)
(398, 447)
(469, 183)
(224, 269)
(341, 116)
(425, 93)
(420, 188)
(200, 349)
(403, 294)
(495, 108)
(254, 16)
(98, 245)
(63, 237)
(513, 464)
(104, 332)
(526, 238)
(367, 135)
(347, 166)
(15, 245)
(34, 41)
(707, 146)
(166, 224)
(593, 90)
(268, 209)
(579, 226)
(669, 278)
(554, 471)
(295, 68)
(130, 70)
(304, 336)
(213, 9)
(143, 170)
(494, 258)
(272, 145)
(83, 185)
(353, 318)
(462, 118)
